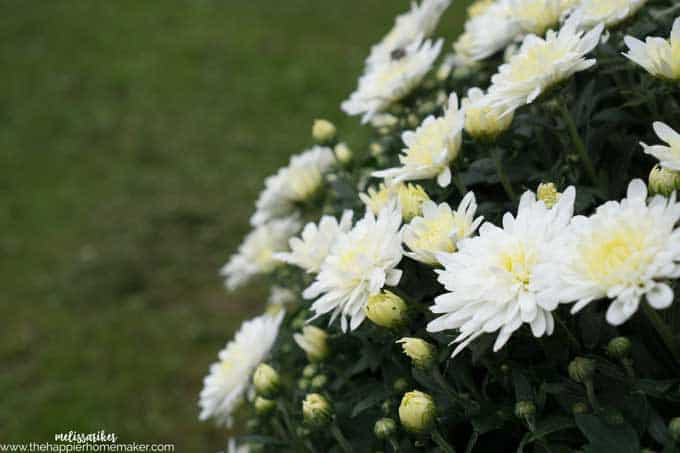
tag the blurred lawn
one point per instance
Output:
(134, 138)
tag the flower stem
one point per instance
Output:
(590, 392)
(459, 183)
(394, 444)
(344, 445)
(439, 378)
(577, 142)
(505, 182)
(441, 442)
(664, 331)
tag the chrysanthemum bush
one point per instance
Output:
(497, 270)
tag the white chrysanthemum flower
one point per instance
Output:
(256, 254)
(623, 252)
(541, 64)
(311, 249)
(431, 148)
(360, 263)
(608, 12)
(483, 121)
(669, 156)
(294, 183)
(419, 22)
(440, 228)
(492, 279)
(411, 198)
(659, 57)
(486, 33)
(229, 378)
(392, 77)
(536, 16)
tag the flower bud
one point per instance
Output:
(386, 407)
(376, 149)
(674, 429)
(303, 384)
(323, 131)
(316, 410)
(580, 408)
(581, 369)
(478, 7)
(548, 194)
(420, 351)
(386, 309)
(313, 341)
(319, 382)
(400, 385)
(266, 380)
(264, 406)
(310, 371)
(524, 409)
(482, 121)
(343, 153)
(384, 428)
(663, 181)
(417, 412)
(619, 347)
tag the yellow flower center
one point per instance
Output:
(535, 62)
(428, 143)
(519, 262)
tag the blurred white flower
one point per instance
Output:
(294, 183)
(591, 13)
(623, 252)
(311, 249)
(669, 156)
(230, 377)
(542, 63)
(492, 279)
(391, 77)
(410, 196)
(430, 149)
(360, 263)
(419, 22)
(256, 254)
(536, 16)
(440, 228)
(659, 57)
(486, 33)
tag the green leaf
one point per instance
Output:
(370, 401)
(603, 436)
(544, 428)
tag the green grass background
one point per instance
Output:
(134, 138)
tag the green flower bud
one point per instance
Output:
(310, 371)
(316, 410)
(323, 131)
(581, 369)
(580, 408)
(343, 153)
(264, 406)
(524, 409)
(386, 407)
(619, 347)
(386, 309)
(313, 342)
(400, 385)
(674, 429)
(548, 194)
(663, 181)
(266, 380)
(384, 428)
(420, 351)
(319, 382)
(417, 412)
(376, 149)
(303, 384)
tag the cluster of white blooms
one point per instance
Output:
(496, 278)
(229, 378)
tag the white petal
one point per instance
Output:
(660, 296)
